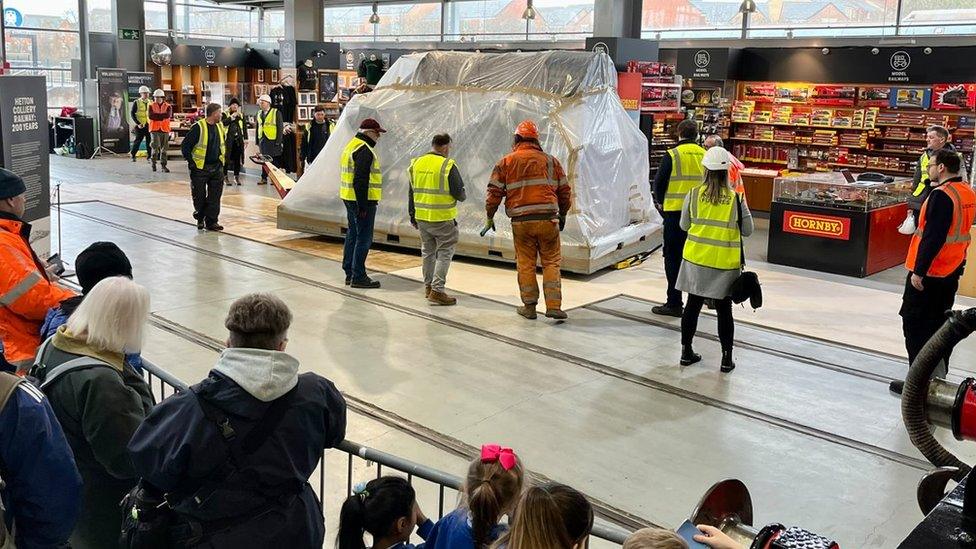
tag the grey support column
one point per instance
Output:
(304, 20)
(618, 18)
(130, 15)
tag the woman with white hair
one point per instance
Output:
(99, 399)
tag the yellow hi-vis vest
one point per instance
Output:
(432, 198)
(686, 174)
(923, 166)
(268, 126)
(142, 111)
(713, 238)
(347, 169)
(200, 149)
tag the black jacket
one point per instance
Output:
(316, 135)
(213, 145)
(363, 162)
(236, 130)
(177, 448)
(663, 176)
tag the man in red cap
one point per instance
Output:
(361, 188)
(537, 198)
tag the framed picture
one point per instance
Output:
(274, 75)
(328, 86)
(343, 81)
(260, 75)
(305, 113)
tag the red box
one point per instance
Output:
(953, 97)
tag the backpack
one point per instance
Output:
(149, 519)
(47, 376)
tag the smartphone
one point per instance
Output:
(687, 530)
(55, 261)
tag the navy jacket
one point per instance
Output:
(43, 487)
(177, 447)
(453, 531)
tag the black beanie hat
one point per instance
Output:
(233, 100)
(11, 184)
(99, 261)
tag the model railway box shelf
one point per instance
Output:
(825, 223)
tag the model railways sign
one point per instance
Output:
(823, 226)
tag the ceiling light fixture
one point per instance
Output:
(374, 19)
(747, 6)
(529, 12)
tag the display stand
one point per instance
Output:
(823, 223)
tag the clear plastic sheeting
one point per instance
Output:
(479, 99)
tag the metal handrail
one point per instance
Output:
(412, 469)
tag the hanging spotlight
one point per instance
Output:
(747, 6)
(375, 18)
(789, 33)
(529, 12)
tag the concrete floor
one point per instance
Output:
(597, 402)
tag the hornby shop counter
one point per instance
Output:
(834, 223)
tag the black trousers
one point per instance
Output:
(235, 157)
(689, 320)
(923, 313)
(206, 186)
(674, 245)
(142, 133)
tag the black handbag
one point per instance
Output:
(746, 286)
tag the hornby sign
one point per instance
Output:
(824, 226)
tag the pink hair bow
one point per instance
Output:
(491, 453)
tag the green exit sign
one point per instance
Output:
(130, 34)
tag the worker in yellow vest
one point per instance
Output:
(269, 132)
(715, 218)
(435, 189)
(680, 171)
(361, 189)
(205, 148)
(937, 138)
(140, 115)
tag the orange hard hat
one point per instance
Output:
(527, 129)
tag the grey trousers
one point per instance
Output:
(160, 146)
(437, 243)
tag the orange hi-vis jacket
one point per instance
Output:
(159, 115)
(532, 184)
(953, 252)
(26, 293)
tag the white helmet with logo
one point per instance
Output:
(144, 89)
(716, 158)
(159, 93)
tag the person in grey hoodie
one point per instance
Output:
(226, 493)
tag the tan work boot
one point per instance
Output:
(558, 314)
(426, 290)
(440, 298)
(528, 311)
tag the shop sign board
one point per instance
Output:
(12, 17)
(286, 54)
(24, 140)
(823, 226)
(629, 90)
(704, 63)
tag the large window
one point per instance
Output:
(562, 19)
(397, 22)
(100, 15)
(44, 44)
(824, 18)
(492, 19)
(938, 17)
(691, 19)
(274, 24)
(157, 15)
(202, 19)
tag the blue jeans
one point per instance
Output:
(358, 240)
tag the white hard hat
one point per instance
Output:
(264, 97)
(716, 158)
(158, 93)
(143, 89)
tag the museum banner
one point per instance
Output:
(113, 123)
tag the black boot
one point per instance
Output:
(897, 386)
(727, 363)
(689, 356)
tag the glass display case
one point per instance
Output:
(833, 190)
